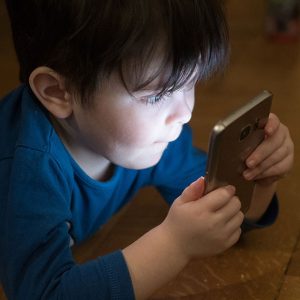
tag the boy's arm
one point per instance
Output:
(262, 197)
(153, 260)
(195, 227)
(160, 254)
(35, 256)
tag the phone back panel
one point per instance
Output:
(232, 140)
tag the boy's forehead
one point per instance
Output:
(152, 76)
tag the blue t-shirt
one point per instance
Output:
(47, 201)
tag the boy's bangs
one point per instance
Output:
(190, 44)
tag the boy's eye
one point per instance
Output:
(153, 99)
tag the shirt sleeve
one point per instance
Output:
(35, 257)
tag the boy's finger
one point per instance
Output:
(235, 222)
(194, 191)
(230, 209)
(279, 155)
(218, 198)
(278, 170)
(272, 124)
(264, 150)
(268, 180)
(234, 237)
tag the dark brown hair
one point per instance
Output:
(85, 40)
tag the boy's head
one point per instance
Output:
(107, 54)
(86, 40)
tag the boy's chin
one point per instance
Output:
(140, 164)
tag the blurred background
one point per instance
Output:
(265, 264)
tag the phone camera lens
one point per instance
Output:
(245, 132)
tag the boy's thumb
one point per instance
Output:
(194, 191)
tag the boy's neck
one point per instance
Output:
(95, 166)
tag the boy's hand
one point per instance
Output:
(273, 158)
(204, 225)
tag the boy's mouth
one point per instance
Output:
(172, 137)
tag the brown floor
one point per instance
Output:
(265, 264)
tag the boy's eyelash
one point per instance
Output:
(154, 99)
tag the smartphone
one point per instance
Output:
(231, 141)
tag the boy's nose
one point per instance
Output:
(182, 108)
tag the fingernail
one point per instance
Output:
(230, 188)
(198, 181)
(251, 163)
(247, 174)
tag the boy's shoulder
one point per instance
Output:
(9, 121)
(24, 125)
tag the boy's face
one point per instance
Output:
(131, 130)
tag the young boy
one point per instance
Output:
(107, 90)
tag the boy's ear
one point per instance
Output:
(49, 87)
